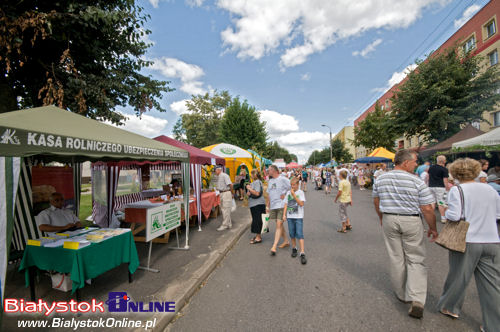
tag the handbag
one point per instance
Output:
(260, 193)
(233, 205)
(453, 234)
(61, 282)
(265, 223)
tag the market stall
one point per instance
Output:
(490, 138)
(467, 132)
(382, 153)
(205, 201)
(46, 134)
(372, 160)
(235, 158)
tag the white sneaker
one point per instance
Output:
(222, 228)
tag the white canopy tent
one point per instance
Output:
(490, 138)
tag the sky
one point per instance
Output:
(301, 63)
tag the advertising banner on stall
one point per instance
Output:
(162, 219)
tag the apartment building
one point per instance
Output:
(346, 135)
(479, 36)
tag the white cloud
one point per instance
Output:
(368, 49)
(284, 129)
(194, 3)
(189, 74)
(179, 107)
(297, 29)
(315, 138)
(154, 3)
(146, 125)
(303, 143)
(277, 123)
(306, 77)
(190, 3)
(396, 78)
(468, 13)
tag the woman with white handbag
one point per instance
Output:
(479, 205)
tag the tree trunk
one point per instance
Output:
(8, 101)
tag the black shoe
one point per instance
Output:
(303, 259)
(416, 310)
(294, 252)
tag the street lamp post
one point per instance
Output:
(323, 125)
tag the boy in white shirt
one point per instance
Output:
(294, 207)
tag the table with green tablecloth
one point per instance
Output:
(85, 263)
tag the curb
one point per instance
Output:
(182, 293)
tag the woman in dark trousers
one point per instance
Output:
(257, 204)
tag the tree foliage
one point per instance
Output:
(446, 91)
(340, 154)
(242, 127)
(84, 56)
(200, 126)
(275, 151)
(319, 156)
(376, 130)
(220, 118)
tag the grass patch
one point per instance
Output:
(85, 209)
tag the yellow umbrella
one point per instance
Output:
(381, 152)
(235, 157)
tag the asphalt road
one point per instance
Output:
(345, 285)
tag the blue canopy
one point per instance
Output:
(266, 161)
(331, 163)
(370, 160)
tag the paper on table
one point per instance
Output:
(54, 244)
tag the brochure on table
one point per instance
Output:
(77, 239)
(162, 219)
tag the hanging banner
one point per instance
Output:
(27, 143)
(162, 219)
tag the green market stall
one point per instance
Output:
(47, 134)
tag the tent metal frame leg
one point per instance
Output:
(186, 247)
(148, 268)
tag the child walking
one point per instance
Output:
(345, 196)
(294, 207)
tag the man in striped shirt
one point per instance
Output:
(400, 198)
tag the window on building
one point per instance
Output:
(493, 57)
(491, 28)
(387, 104)
(470, 44)
(401, 144)
(496, 119)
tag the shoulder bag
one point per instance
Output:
(453, 234)
(260, 192)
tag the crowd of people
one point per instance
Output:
(403, 198)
